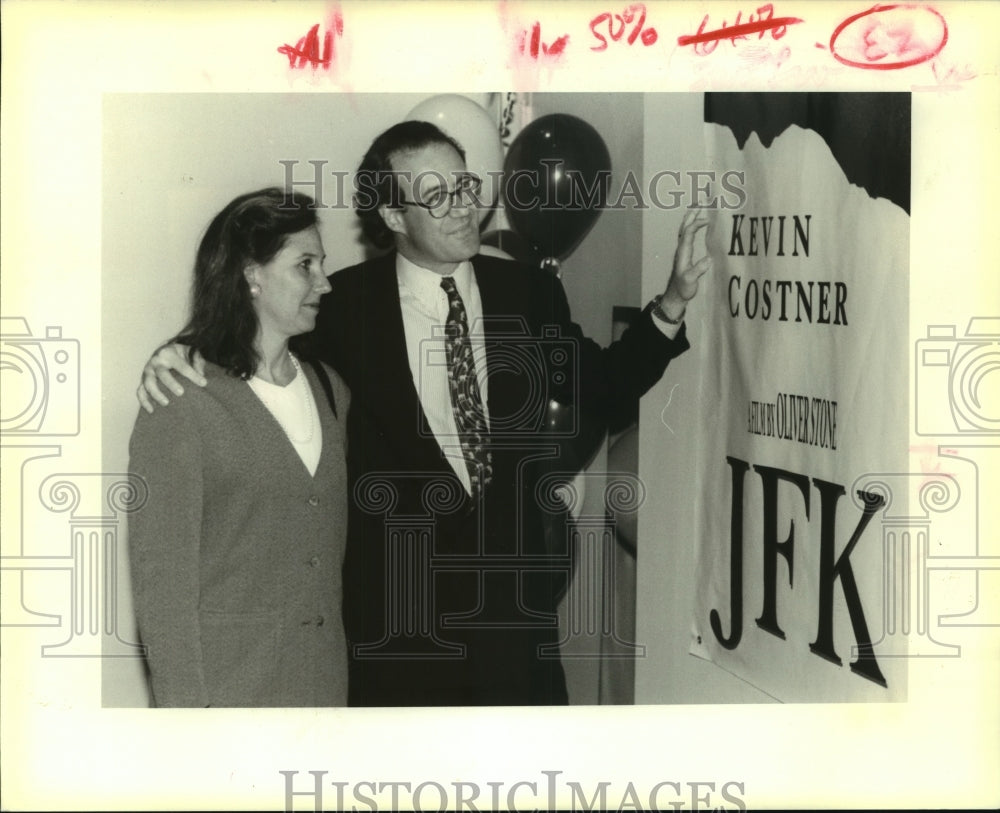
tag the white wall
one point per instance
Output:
(674, 141)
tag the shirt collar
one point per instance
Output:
(426, 284)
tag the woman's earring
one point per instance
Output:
(255, 290)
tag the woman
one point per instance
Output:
(236, 554)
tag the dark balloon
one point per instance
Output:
(510, 243)
(557, 174)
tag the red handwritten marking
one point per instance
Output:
(535, 47)
(635, 12)
(306, 51)
(891, 35)
(763, 22)
(930, 462)
(953, 74)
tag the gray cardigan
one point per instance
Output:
(236, 555)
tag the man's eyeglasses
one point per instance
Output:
(439, 202)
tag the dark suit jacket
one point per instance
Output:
(446, 603)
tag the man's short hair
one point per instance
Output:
(377, 185)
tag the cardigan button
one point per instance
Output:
(314, 500)
(320, 621)
(314, 562)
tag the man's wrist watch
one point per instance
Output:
(661, 314)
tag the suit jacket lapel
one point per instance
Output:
(392, 393)
(501, 317)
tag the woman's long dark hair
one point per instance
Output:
(253, 228)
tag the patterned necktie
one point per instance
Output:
(466, 400)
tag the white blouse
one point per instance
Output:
(294, 408)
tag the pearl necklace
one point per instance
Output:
(261, 387)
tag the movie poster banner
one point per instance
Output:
(804, 388)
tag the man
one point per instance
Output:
(452, 359)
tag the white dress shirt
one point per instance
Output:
(424, 306)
